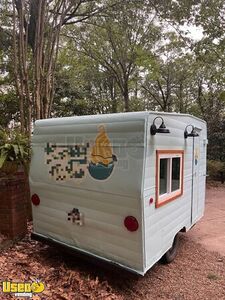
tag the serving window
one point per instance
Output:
(169, 175)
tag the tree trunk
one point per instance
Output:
(36, 30)
(112, 90)
(16, 74)
(126, 98)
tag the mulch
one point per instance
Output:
(195, 274)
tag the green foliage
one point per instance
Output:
(81, 86)
(215, 168)
(9, 106)
(135, 55)
(216, 136)
(14, 148)
(119, 44)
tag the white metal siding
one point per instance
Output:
(161, 224)
(105, 203)
(127, 191)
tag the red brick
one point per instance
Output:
(13, 206)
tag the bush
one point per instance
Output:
(216, 169)
(14, 151)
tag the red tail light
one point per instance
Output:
(35, 199)
(131, 223)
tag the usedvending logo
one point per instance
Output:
(23, 289)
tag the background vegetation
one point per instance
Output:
(63, 58)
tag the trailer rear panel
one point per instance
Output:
(81, 170)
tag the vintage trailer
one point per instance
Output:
(119, 187)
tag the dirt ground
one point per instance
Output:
(195, 274)
(210, 230)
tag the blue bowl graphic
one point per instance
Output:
(100, 171)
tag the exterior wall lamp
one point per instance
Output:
(193, 132)
(162, 128)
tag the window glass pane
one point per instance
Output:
(175, 173)
(163, 176)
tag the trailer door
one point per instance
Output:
(195, 177)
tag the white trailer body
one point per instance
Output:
(105, 186)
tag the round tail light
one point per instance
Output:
(131, 223)
(35, 199)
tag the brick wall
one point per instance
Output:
(13, 207)
(23, 175)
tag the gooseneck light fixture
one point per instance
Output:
(161, 129)
(193, 132)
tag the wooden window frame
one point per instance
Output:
(162, 200)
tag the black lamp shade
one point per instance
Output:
(162, 128)
(193, 132)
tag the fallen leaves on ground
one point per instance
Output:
(195, 274)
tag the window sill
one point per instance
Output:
(168, 199)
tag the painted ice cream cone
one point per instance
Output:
(102, 157)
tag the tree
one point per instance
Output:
(8, 100)
(82, 87)
(8, 107)
(117, 40)
(169, 75)
(37, 26)
(123, 55)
